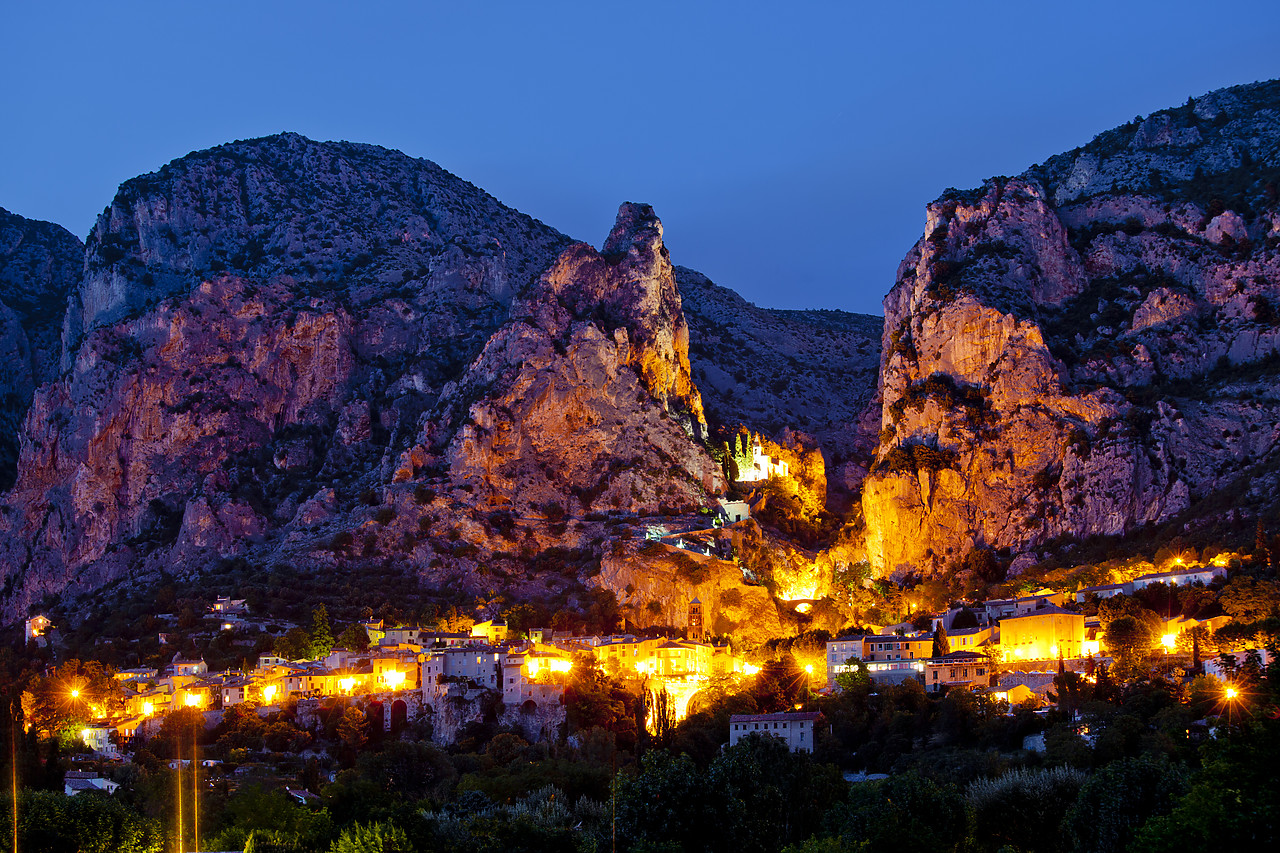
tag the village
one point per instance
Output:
(1009, 649)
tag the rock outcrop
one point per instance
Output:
(278, 344)
(1089, 348)
(772, 370)
(40, 264)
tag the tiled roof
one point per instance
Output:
(784, 717)
(1047, 610)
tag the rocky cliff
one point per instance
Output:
(330, 354)
(771, 370)
(40, 264)
(1088, 348)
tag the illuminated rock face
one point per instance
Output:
(587, 389)
(1063, 359)
(276, 341)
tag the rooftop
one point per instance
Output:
(783, 717)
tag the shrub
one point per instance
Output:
(1023, 808)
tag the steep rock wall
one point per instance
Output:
(1066, 357)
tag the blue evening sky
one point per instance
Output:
(789, 147)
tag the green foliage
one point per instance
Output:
(857, 681)
(269, 821)
(86, 823)
(1119, 798)
(372, 838)
(294, 645)
(772, 796)
(1234, 803)
(911, 457)
(667, 803)
(1130, 639)
(353, 638)
(321, 635)
(905, 813)
(949, 395)
(1247, 599)
(1023, 808)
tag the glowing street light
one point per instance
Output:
(346, 684)
(148, 709)
(1231, 693)
(394, 678)
(268, 693)
(1168, 641)
(75, 693)
(191, 700)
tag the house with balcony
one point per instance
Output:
(969, 669)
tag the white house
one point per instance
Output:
(36, 626)
(734, 511)
(1215, 667)
(76, 781)
(481, 664)
(1107, 590)
(762, 467)
(794, 728)
(1181, 577)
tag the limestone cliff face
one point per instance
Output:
(40, 264)
(1088, 348)
(332, 354)
(585, 398)
(771, 370)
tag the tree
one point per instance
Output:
(321, 635)
(770, 794)
(856, 680)
(1022, 808)
(88, 823)
(353, 729)
(294, 645)
(353, 638)
(1248, 599)
(69, 695)
(1119, 798)
(666, 805)
(1129, 640)
(1231, 804)
(906, 813)
(941, 645)
(373, 838)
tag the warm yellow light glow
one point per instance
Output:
(1168, 640)
(148, 709)
(268, 693)
(798, 590)
(560, 665)
(191, 700)
(346, 684)
(808, 668)
(75, 694)
(804, 607)
(750, 668)
(1232, 693)
(1053, 651)
(1090, 647)
(84, 735)
(394, 678)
